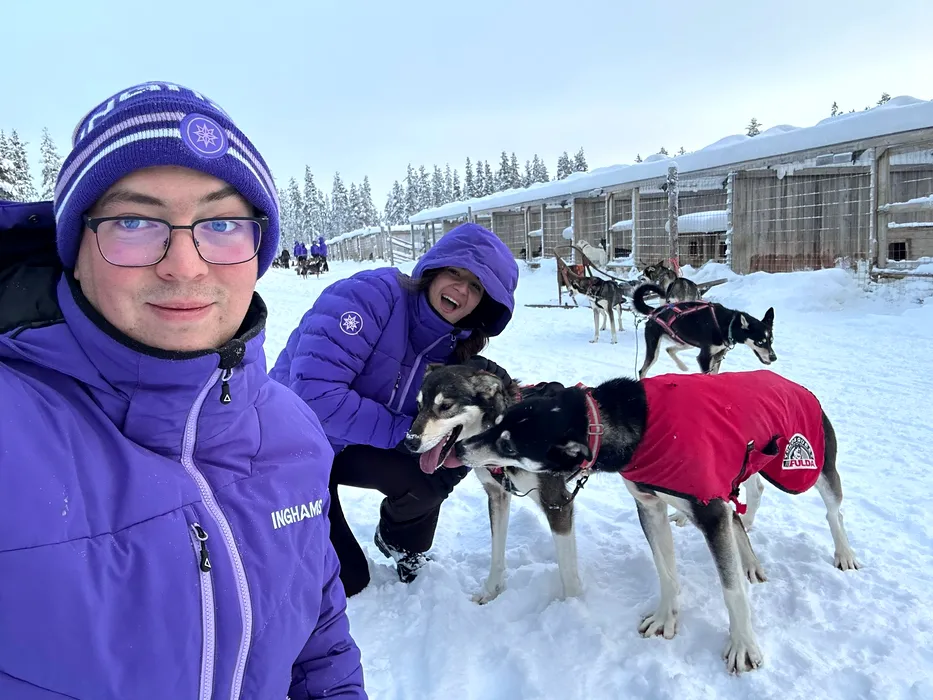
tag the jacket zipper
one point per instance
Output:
(411, 375)
(395, 388)
(208, 629)
(213, 508)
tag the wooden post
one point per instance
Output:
(411, 228)
(359, 247)
(433, 235)
(730, 198)
(610, 247)
(635, 207)
(470, 215)
(881, 171)
(526, 216)
(543, 209)
(573, 232)
(672, 214)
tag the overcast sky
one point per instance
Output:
(367, 87)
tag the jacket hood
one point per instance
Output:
(483, 253)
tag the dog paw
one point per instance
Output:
(486, 595)
(679, 519)
(755, 573)
(742, 655)
(594, 340)
(660, 623)
(846, 561)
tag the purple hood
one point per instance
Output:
(358, 356)
(156, 541)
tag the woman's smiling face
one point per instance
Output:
(455, 293)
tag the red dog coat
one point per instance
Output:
(706, 434)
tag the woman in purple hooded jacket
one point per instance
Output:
(358, 357)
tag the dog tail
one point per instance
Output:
(638, 298)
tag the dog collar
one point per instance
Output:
(594, 428)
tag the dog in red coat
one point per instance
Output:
(689, 441)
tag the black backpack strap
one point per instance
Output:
(29, 266)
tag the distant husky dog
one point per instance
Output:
(706, 325)
(675, 288)
(606, 296)
(597, 256)
(457, 402)
(686, 441)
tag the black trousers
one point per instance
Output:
(409, 511)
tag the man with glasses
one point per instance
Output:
(163, 503)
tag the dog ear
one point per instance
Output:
(431, 366)
(576, 451)
(768, 319)
(743, 321)
(488, 384)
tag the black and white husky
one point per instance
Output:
(706, 325)
(675, 288)
(457, 402)
(555, 433)
(606, 299)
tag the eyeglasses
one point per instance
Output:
(129, 241)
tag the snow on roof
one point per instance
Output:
(897, 115)
(366, 231)
(626, 225)
(701, 222)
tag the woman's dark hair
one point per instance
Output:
(466, 347)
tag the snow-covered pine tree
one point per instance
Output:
(51, 164)
(753, 128)
(479, 181)
(638, 157)
(293, 209)
(528, 177)
(21, 175)
(339, 206)
(682, 152)
(355, 209)
(468, 183)
(488, 178)
(328, 222)
(310, 223)
(456, 195)
(504, 173)
(579, 162)
(663, 151)
(834, 110)
(884, 98)
(7, 182)
(395, 205)
(448, 185)
(437, 187)
(564, 166)
(539, 170)
(370, 215)
(424, 189)
(411, 192)
(515, 174)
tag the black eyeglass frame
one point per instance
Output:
(94, 223)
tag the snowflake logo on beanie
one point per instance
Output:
(203, 136)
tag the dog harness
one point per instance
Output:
(706, 434)
(668, 314)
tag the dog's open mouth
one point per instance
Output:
(435, 457)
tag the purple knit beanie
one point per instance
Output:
(158, 124)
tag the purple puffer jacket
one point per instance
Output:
(156, 542)
(359, 354)
(322, 246)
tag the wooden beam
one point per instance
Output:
(882, 197)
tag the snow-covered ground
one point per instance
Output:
(824, 633)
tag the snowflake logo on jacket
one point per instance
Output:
(351, 323)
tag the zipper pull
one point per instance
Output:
(201, 535)
(225, 397)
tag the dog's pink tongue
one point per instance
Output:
(452, 462)
(429, 459)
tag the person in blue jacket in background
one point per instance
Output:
(358, 357)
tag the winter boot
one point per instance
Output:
(406, 563)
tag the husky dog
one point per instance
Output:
(687, 441)
(674, 288)
(597, 256)
(457, 402)
(706, 325)
(605, 297)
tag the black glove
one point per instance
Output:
(480, 362)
